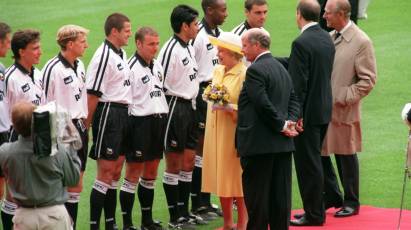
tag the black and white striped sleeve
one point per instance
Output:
(97, 71)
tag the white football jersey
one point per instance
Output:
(66, 85)
(147, 87)
(180, 68)
(205, 52)
(108, 75)
(22, 85)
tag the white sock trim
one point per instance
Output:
(170, 179)
(186, 176)
(114, 184)
(128, 186)
(148, 184)
(100, 186)
(9, 207)
(198, 161)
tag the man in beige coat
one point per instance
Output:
(353, 77)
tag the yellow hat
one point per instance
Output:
(228, 40)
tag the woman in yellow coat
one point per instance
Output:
(221, 165)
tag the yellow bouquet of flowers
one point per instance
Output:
(218, 95)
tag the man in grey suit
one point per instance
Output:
(267, 111)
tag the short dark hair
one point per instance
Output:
(4, 30)
(143, 31)
(309, 10)
(21, 117)
(248, 4)
(182, 14)
(21, 39)
(115, 20)
(207, 3)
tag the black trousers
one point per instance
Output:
(348, 170)
(308, 166)
(267, 190)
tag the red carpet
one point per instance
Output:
(370, 218)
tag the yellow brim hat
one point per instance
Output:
(228, 41)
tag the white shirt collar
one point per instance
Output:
(261, 54)
(345, 27)
(308, 25)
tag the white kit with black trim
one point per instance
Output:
(5, 122)
(22, 85)
(66, 85)
(108, 75)
(205, 52)
(180, 68)
(147, 87)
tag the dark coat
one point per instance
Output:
(266, 101)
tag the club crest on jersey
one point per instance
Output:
(120, 66)
(186, 61)
(25, 87)
(68, 80)
(210, 46)
(160, 77)
(83, 76)
(1, 77)
(145, 79)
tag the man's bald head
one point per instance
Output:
(309, 10)
(343, 6)
(21, 117)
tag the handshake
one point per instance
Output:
(292, 128)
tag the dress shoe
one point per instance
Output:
(304, 222)
(347, 211)
(298, 215)
(338, 204)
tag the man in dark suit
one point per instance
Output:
(267, 111)
(310, 66)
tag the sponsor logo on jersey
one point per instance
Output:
(185, 61)
(194, 75)
(127, 82)
(109, 151)
(215, 61)
(120, 66)
(210, 46)
(68, 80)
(145, 79)
(156, 93)
(25, 87)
